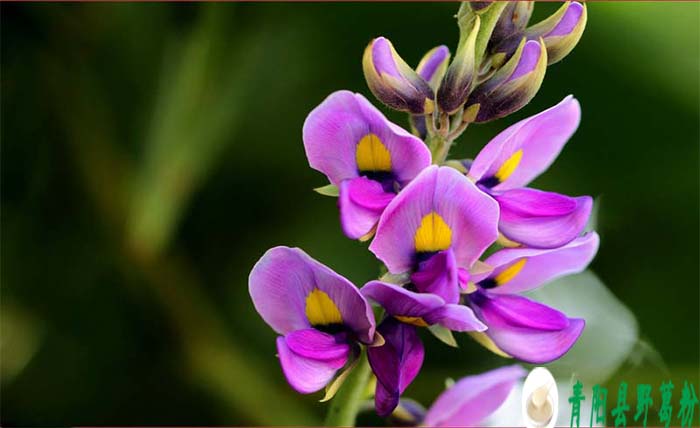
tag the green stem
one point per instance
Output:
(348, 400)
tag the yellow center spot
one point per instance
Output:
(417, 321)
(320, 309)
(433, 234)
(510, 272)
(372, 155)
(509, 166)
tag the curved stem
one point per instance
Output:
(346, 403)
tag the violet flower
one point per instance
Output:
(321, 316)
(518, 155)
(439, 222)
(365, 155)
(395, 364)
(517, 326)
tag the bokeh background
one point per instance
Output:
(152, 152)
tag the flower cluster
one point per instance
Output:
(431, 221)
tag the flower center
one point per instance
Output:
(372, 155)
(505, 171)
(321, 310)
(433, 234)
(506, 275)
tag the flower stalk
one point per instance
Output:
(348, 401)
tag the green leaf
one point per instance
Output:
(328, 190)
(443, 334)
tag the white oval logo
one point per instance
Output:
(540, 400)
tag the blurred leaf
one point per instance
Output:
(19, 340)
(611, 330)
(202, 93)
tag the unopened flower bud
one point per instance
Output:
(510, 27)
(457, 83)
(513, 85)
(561, 31)
(393, 82)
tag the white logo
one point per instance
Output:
(540, 400)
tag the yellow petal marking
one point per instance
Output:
(372, 155)
(509, 166)
(433, 234)
(510, 272)
(417, 321)
(320, 309)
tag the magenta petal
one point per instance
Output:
(306, 375)
(526, 330)
(541, 266)
(438, 275)
(542, 219)
(398, 301)
(456, 318)
(395, 364)
(471, 215)
(283, 278)
(361, 202)
(540, 137)
(473, 398)
(334, 128)
(317, 345)
(506, 311)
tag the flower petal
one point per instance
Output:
(395, 364)
(361, 202)
(521, 269)
(469, 401)
(438, 275)
(468, 220)
(524, 329)
(317, 345)
(333, 130)
(306, 375)
(398, 301)
(288, 287)
(542, 219)
(456, 318)
(540, 138)
(517, 311)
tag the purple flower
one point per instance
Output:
(514, 158)
(393, 82)
(320, 315)
(473, 398)
(365, 155)
(518, 326)
(395, 364)
(438, 223)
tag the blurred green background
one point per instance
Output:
(152, 152)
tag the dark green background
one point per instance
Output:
(151, 153)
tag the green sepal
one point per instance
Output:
(443, 334)
(328, 190)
